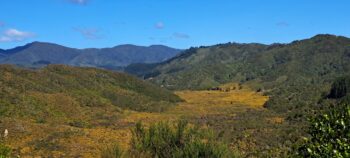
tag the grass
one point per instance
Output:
(164, 140)
(83, 141)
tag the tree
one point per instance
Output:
(329, 134)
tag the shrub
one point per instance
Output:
(164, 140)
(113, 151)
(340, 87)
(329, 135)
(5, 151)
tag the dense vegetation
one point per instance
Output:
(340, 88)
(296, 77)
(5, 151)
(329, 134)
(38, 54)
(303, 79)
(164, 140)
(60, 92)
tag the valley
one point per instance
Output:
(29, 138)
(249, 100)
(174, 79)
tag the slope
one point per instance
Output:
(291, 71)
(34, 94)
(88, 129)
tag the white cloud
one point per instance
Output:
(80, 2)
(5, 39)
(88, 33)
(2, 24)
(181, 35)
(159, 25)
(282, 24)
(14, 35)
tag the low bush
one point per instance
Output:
(113, 151)
(5, 151)
(163, 140)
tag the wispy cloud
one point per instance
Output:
(89, 33)
(79, 2)
(282, 24)
(181, 35)
(14, 35)
(2, 24)
(159, 25)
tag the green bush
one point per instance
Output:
(340, 87)
(5, 151)
(163, 140)
(113, 151)
(329, 135)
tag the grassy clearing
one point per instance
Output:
(30, 137)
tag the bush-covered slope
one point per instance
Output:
(322, 55)
(62, 92)
(297, 77)
(290, 73)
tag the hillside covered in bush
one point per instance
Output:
(59, 91)
(298, 77)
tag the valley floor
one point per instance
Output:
(67, 141)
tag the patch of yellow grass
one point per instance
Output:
(87, 142)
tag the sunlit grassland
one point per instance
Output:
(88, 140)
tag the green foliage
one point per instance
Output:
(113, 151)
(63, 91)
(329, 134)
(163, 140)
(5, 151)
(340, 88)
(79, 124)
(296, 77)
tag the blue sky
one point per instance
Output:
(176, 23)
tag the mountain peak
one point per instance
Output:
(328, 37)
(38, 43)
(158, 46)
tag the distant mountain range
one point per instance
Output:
(38, 54)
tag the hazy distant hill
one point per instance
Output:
(2, 53)
(124, 55)
(38, 54)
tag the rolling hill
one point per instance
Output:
(63, 111)
(223, 63)
(298, 77)
(35, 93)
(290, 73)
(38, 54)
(44, 109)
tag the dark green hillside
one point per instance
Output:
(340, 88)
(60, 91)
(290, 71)
(296, 76)
(320, 56)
